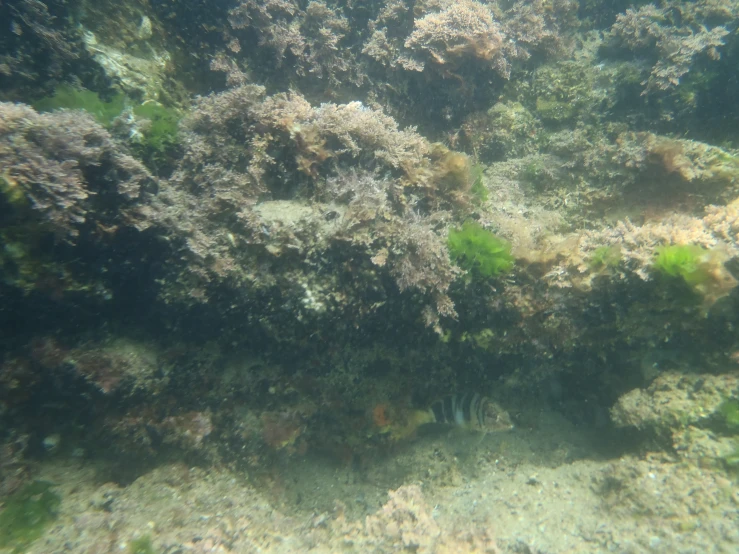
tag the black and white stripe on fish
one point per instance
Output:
(472, 411)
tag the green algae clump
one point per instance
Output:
(158, 142)
(70, 98)
(701, 269)
(26, 515)
(142, 545)
(154, 133)
(729, 410)
(729, 414)
(605, 257)
(731, 460)
(479, 251)
(478, 189)
(682, 260)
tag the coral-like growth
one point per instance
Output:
(312, 38)
(61, 161)
(540, 25)
(419, 260)
(296, 152)
(479, 251)
(461, 29)
(312, 137)
(447, 35)
(43, 45)
(692, 160)
(504, 131)
(674, 48)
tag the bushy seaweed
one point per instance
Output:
(26, 515)
(479, 251)
(682, 260)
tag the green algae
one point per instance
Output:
(485, 339)
(142, 545)
(605, 257)
(155, 127)
(12, 192)
(731, 460)
(26, 514)
(70, 98)
(478, 189)
(159, 135)
(534, 171)
(554, 110)
(479, 251)
(682, 260)
(729, 410)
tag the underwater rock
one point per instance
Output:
(686, 410)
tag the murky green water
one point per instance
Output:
(339, 276)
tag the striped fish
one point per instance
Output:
(471, 411)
